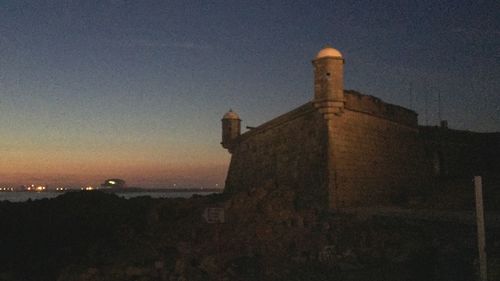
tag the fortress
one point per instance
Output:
(345, 149)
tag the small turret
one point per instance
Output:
(231, 129)
(328, 81)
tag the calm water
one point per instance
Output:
(24, 196)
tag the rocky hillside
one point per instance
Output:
(267, 235)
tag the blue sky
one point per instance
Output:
(135, 89)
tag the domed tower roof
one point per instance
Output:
(231, 115)
(328, 52)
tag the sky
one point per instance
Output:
(91, 90)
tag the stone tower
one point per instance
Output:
(328, 82)
(231, 129)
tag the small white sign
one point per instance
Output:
(214, 215)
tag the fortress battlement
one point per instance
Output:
(354, 101)
(374, 106)
(346, 149)
(284, 118)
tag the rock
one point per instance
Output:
(134, 271)
(210, 265)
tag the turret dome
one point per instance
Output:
(329, 52)
(231, 115)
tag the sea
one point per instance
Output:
(25, 196)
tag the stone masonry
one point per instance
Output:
(342, 149)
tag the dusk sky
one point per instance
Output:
(91, 89)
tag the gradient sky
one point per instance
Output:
(92, 89)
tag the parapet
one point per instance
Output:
(374, 106)
(277, 121)
(439, 134)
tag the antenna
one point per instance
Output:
(411, 95)
(439, 106)
(425, 106)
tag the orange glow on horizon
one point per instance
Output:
(55, 169)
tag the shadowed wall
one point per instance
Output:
(287, 151)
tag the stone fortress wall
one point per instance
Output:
(461, 154)
(376, 153)
(349, 149)
(375, 158)
(286, 151)
(355, 101)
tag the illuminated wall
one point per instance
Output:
(375, 153)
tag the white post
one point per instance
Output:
(481, 239)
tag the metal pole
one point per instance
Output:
(439, 107)
(411, 95)
(481, 239)
(426, 108)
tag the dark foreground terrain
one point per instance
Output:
(266, 236)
